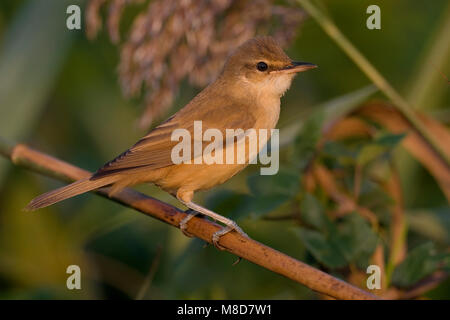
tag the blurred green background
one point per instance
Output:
(59, 93)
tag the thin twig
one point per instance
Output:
(425, 285)
(233, 242)
(444, 76)
(378, 260)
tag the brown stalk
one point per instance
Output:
(151, 274)
(346, 204)
(419, 289)
(378, 259)
(170, 41)
(243, 247)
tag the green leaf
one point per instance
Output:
(333, 109)
(381, 145)
(324, 250)
(372, 195)
(262, 205)
(236, 205)
(339, 151)
(343, 242)
(34, 48)
(284, 183)
(307, 139)
(420, 262)
(270, 192)
(389, 139)
(426, 90)
(312, 212)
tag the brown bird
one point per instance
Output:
(245, 95)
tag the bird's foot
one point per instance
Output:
(230, 226)
(183, 224)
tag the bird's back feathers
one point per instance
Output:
(71, 190)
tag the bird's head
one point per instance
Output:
(261, 64)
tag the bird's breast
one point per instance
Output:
(266, 111)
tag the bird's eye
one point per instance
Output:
(261, 66)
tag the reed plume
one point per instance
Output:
(173, 40)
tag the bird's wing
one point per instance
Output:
(154, 150)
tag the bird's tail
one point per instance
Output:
(71, 190)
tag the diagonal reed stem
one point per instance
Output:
(243, 247)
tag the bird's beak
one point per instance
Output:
(296, 66)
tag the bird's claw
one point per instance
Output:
(229, 226)
(183, 223)
(216, 237)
